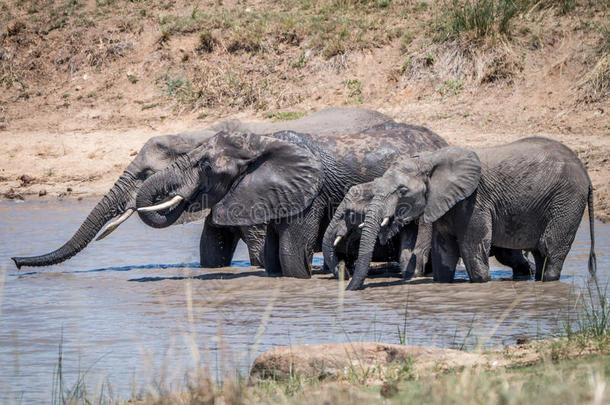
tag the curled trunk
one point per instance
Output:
(111, 205)
(370, 231)
(157, 188)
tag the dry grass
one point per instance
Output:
(259, 56)
(461, 62)
(595, 86)
(196, 63)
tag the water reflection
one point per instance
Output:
(133, 306)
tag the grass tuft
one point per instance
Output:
(478, 18)
(285, 116)
(595, 86)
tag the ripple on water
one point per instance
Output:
(135, 302)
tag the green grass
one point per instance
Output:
(451, 88)
(568, 382)
(489, 18)
(328, 27)
(176, 86)
(285, 116)
(354, 86)
(480, 18)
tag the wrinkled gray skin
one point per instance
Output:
(291, 181)
(161, 151)
(529, 194)
(409, 244)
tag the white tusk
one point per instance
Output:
(361, 225)
(167, 204)
(115, 224)
(385, 221)
(337, 240)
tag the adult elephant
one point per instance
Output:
(161, 151)
(292, 181)
(526, 195)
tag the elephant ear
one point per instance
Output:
(279, 179)
(454, 175)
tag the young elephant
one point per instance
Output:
(409, 244)
(529, 194)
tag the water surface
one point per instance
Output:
(135, 310)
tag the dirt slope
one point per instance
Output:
(83, 84)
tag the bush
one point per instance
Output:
(481, 18)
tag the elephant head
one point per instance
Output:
(342, 235)
(156, 154)
(246, 179)
(424, 186)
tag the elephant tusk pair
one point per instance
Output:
(385, 222)
(115, 224)
(165, 205)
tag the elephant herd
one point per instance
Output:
(359, 187)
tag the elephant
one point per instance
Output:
(526, 195)
(290, 181)
(407, 243)
(160, 151)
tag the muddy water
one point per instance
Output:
(135, 310)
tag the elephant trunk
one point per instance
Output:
(328, 243)
(370, 231)
(111, 205)
(167, 183)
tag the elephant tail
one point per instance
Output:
(592, 258)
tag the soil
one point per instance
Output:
(335, 361)
(70, 126)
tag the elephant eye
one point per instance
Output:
(205, 166)
(403, 191)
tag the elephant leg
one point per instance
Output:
(297, 241)
(514, 258)
(407, 258)
(476, 260)
(422, 248)
(217, 245)
(550, 266)
(295, 253)
(445, 255)
(273, 266)
(475, 245)
(553, 247)
(539, 259)
(254, 238)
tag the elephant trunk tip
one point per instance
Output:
(17, 261)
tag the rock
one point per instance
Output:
(333, 359)
(42, 193)
(12, 195)
(389, 389)
(69, 189)
(26, 180)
